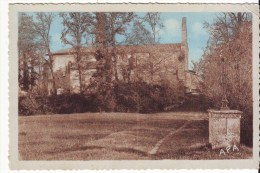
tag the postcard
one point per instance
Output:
(134, 86)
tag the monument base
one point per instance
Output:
(224, 128)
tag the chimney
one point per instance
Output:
(184, 32)
(184, 44)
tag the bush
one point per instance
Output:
(144, 98)
(60, 104)
(72, 103)
(246, 132)
(27, 106)
(195, 103)
(121, 97)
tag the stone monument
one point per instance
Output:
(224, 124)
(224, 128)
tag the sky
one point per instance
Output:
(171, 33)
(197, 35)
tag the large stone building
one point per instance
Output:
(150, 63)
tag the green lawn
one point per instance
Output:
(112, 136)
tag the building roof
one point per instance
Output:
(128, 48)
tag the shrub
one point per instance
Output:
(26, 106)
(66, 103)
(145, 98)
(121, 97)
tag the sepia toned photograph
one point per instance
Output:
(134, 85)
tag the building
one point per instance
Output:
(150, 63)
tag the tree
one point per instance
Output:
(139, 35)
(28, 50)
(116, 24)
(228, 65)
(146, 30)
(199, 68)
(227, 27)
(153, 19)
(230, 41)
(42, 27)
(76, 26)
(101, 83)
(107, 26)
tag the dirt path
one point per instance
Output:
(159, 143)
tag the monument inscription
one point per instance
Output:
(224, 128)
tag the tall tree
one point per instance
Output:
(104, 62)
(42, 26)
(139, 34)
(199, 68)
(28, 50)
(228, 65)
(101, 83)
(107, 27)
(116, 24)
(76, 26)
(153, 19)
(227, 27)
(146, 30)
(154, 24)
(229, 45)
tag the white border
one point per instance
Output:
(135, 1)
(4, 104)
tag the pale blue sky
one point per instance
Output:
(197, 35)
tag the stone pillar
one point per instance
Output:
(224, 128)
(184, 53)
(184, 43)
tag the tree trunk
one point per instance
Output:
(80, 78)
(115, 65)
(52, 72)
(25, 77)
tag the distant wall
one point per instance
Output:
(60, 61)
(153, 64)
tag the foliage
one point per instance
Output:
(28, 106)
(106, 27)
(116, 24)
(139, 35)
(28, 52)
(153, 19)
(130, 95)
(62, 80)
(42, 26)
(145, 30)
(226, 66)
(121, 97)
(76, 26)
(57, 104)
(144, 98)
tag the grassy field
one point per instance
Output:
(113, 136)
